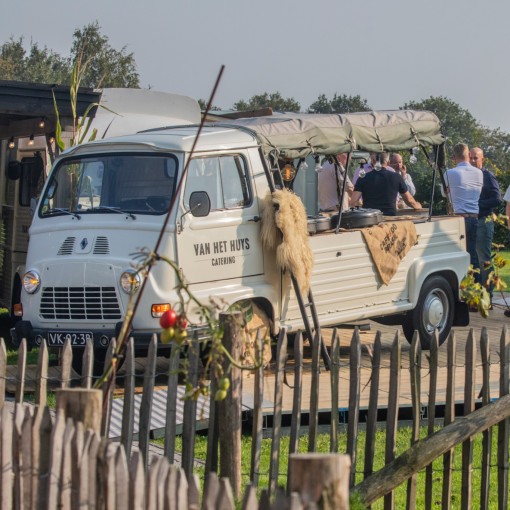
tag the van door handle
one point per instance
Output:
(255, 219)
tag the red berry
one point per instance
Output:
(182, 322)
(168, 319)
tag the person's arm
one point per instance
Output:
(445, 192)
(410, 201)
(492, 193)
(410, 184)
(356, 175)
(355, 198)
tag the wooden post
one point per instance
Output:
(229, 410)
(274, 463)
(449, 417)
(431, 410)
(83, 405)
(415, 373)
(354, 398)
(321, 477)
(504, 426)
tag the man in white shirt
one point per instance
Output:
(330, 183)
(464, 184)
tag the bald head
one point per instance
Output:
(476, 157)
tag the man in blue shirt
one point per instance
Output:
(464, 184)
(490, 199)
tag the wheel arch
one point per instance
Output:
(426, 267)
(452, 279)
(266, 306)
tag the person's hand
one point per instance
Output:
(417, 205)
(403, 172)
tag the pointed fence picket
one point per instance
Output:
(75, 468)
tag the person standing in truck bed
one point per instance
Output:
(397, 163)
(379, 188)
(330, 183)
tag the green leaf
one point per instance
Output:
(58, 129)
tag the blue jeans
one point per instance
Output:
(484, 236)
(471, 228)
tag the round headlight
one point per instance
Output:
(130, 281)
(31, 281)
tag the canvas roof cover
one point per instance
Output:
(298, 135)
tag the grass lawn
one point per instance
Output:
(505, 271)
(403, 442)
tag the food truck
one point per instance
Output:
(237, 232)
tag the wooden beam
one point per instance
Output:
(430, 448)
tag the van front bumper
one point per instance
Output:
(78, 338)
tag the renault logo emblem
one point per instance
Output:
(84, 243)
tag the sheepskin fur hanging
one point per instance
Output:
(284, 229)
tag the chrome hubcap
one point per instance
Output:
(435, 310)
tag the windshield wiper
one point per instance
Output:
(64, 211)
(117, 210)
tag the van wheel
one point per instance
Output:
(434, 311)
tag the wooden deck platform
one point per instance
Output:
(494, 325)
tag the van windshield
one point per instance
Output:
(129, 183)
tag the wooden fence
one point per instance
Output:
(57, 463)
(484, 413)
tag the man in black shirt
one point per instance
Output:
(380, 188)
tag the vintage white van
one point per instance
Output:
(105, 200)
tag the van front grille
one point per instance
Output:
(67, 246)
(79, 303)
(101, 246)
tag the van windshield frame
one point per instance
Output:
(133, 183)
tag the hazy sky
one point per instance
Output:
(388, 51)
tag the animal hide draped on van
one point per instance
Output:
(284, 228)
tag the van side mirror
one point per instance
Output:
(199, 204)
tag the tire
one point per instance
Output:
(434, 310)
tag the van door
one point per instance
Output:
(225, 244)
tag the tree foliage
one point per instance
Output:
(339, 104)
(203, 105)
(458, 125)
(106, 66)
(39, 65)
(265, 100)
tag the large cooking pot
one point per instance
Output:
(312, 227)
(322, 223)
(358, 217)
(318, 223)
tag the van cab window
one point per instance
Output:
(131, 183)
(223, 177)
